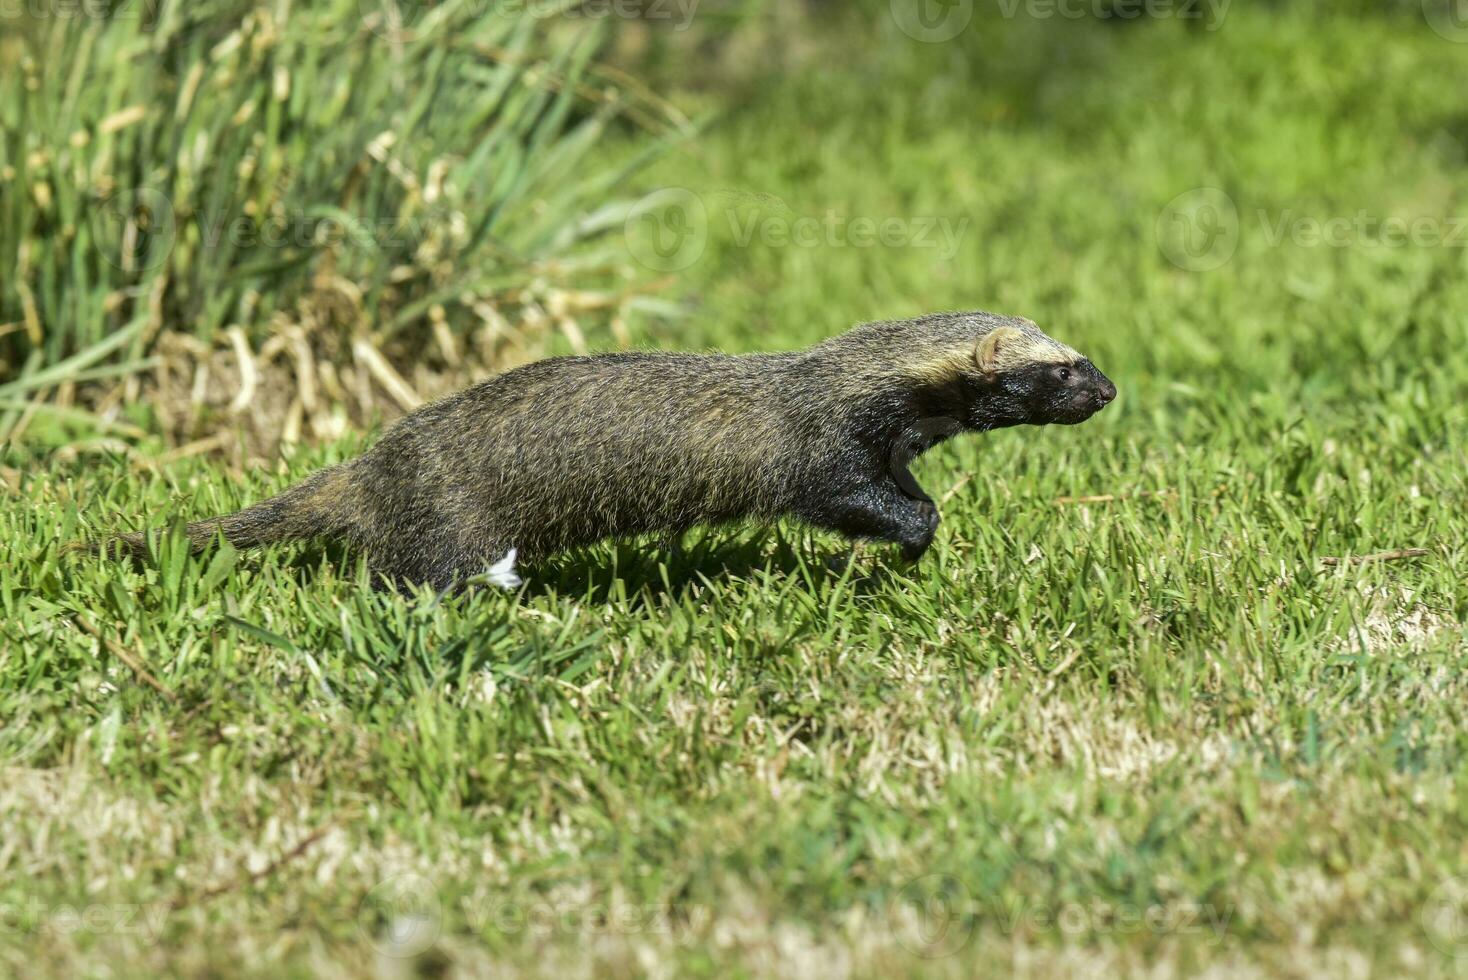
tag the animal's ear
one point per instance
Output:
(988, 352)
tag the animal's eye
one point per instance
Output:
(1065, 374)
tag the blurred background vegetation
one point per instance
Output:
(286, 218)
(281, 219)
(351, 188)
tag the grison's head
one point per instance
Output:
(1031, 379)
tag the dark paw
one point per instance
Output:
(927, 513)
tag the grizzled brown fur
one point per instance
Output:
(572, 450)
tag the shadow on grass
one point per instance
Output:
(640, 572)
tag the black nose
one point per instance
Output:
(1107, 391)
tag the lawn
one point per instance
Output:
(1179, 689)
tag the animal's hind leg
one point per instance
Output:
(442, 569)
(445, 560)
(448, 574)
(452, 571)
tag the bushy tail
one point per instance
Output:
(320, 504)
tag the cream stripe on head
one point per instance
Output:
(1009, 348)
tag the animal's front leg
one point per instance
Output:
(917, 515)
(916, 508)
(880, 509)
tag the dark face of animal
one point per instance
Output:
(1044, 394)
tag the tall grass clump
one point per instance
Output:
(309, 195)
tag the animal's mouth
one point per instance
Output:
(1086, 404)
(1099, 397)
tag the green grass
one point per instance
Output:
(1155, 732)
(184, 169)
